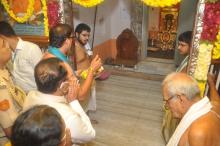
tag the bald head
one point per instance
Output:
(181, 83)
(58, 34)
(49, 73)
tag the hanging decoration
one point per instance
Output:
(216, 49)
(29, 12)
(211, 1)
(53, 13)
(198, 27)
(203, 62)
(211, 26)
(88, 3)
(161, 3)
(209, 41)
(44, 9)
(211, 21)
(61, 11)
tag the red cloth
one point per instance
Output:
(104, 75)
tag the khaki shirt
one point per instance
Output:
(9, 109)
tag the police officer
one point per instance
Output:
(11, 98)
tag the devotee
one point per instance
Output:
(40, 126)
(11, 97)
(82, 33)
(60, 41)
(169, 123)
(60, 91)
(184, 43)
(200, 123)
(26, 56)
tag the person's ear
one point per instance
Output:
(67, 42)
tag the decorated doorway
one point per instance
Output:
(162, 26)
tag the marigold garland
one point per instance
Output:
(44, 9)
(202, 85)
(211, 1)
(8, 144)
(88, 3)
(210, 41)
(216, 49)
(160, 3)
(23, 19)
(203, 62)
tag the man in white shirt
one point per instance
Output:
(60, 91)
(26, 56)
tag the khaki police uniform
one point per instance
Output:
(9, 107)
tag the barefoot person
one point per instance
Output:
(200, 123)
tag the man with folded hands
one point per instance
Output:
(60, 91)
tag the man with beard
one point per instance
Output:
(82, 33)
(60, 43)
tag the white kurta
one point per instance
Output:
(72, 113)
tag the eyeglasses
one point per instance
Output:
(167, 101)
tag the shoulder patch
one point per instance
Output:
(2, 84)
(4, 105)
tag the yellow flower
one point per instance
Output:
(8, 144)
(203, 61)
(88, 3)
(44, 9)
(23, 19)
(216, 49)
(202, 85)
(160, 3)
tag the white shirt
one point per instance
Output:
(72, 113)
(88, 49)
(26, 56)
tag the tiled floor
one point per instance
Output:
(149, 65)
(129, 112)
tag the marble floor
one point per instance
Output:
(149, 65)
(129, 112)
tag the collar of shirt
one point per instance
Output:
(49, 97)
(20, 45)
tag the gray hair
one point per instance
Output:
(185, 85)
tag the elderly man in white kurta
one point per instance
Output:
(60, 91)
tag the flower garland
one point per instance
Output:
(211, 1)
(23, 19)
(53, 13)
(88, 3)
(209, 41)
(211, 21)
(216, 49)
(203, 62)
(152, 3)
(161, 3)
(44, 9)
